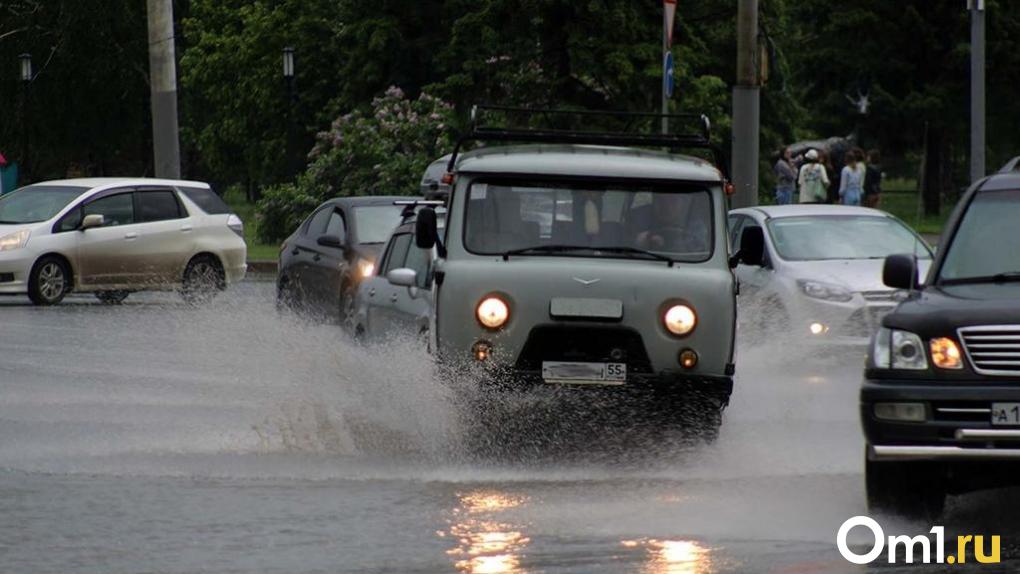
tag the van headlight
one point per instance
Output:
(15, 240)
(492, 312)
(680, 319)
(894, 349)
(825, 291)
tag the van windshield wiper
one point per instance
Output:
(1007, 277)
(540, 249)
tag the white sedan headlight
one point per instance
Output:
(15, 240)
(893, 349)
(825, 291)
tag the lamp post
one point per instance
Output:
(26, 81)
(977, 89)
(288, 78)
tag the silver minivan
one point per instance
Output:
(575, 265)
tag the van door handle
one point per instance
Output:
(186, 228)
(317, 257)
(393, 298)
(295, 251)
(131, 236)
(371, 292)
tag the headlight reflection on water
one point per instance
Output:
(673, 556)
(486, 545)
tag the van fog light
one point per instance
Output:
(688, 358)
(818, 328)
(481, 350)
(908, 412)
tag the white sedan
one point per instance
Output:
(114, 236)
(821, 277)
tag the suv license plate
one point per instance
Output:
(1005, 414)
(584, 373)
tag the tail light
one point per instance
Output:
(236, 225)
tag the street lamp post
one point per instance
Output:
(977, 89)
(26, 81)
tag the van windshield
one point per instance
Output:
(589, 219)
(36, 203)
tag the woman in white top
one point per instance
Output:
(851, 182)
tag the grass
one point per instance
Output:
(901, 198)
(246, 211)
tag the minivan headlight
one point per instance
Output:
(492, 312)
(15, 240)
(679, 319)
(825, 291)
(894, 349)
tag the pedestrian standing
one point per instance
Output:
(825, 158)
(813, 180)
(851, 179)
(786, 178)
(873, 179)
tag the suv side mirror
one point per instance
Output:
(333, 241)
(426, 231)
(92, 220)
(900, 272)
(752, 248)
(403, 277)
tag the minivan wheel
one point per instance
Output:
(203, 278)
(112, 297)
(915, 490)
(49, 281)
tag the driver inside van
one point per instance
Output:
(674, 225)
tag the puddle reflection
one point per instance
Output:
(673, 556)
(485, 544)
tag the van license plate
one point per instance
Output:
(1006, 414)
(581, 373)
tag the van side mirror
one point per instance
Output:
(752, 248)
(426, 231)
(92, 220)
(900, 271)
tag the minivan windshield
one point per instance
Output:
(374, 223)
(821, 237)
(589, 219)
(36, 203)
(986, 245)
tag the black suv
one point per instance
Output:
(940, 404)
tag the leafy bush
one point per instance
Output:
(382, 153)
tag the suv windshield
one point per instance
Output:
(986, 244)
(375, 223)
(671, 222)
(820, 237)
(36, 203)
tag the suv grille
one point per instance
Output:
(591, 343)
(993, 350)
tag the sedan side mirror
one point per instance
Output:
(92, 220)
(403, 277)
(752, 248)
(333, 241)
(900, 272)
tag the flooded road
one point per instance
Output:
(156, 437)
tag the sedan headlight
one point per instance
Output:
(15, 240)
(893, 349)
(825, 291)
(492, 312)
(680, 319)
(366, 268)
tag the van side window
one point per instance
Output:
(116, 209)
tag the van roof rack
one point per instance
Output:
(700, 138)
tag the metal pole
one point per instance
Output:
(977, 89)
(665, 49)
(163, 84)
(23, 174)
(746, 107)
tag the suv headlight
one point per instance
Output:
(15, 240)
(825, 291)
(894, 349)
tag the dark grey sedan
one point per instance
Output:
(335, 248)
